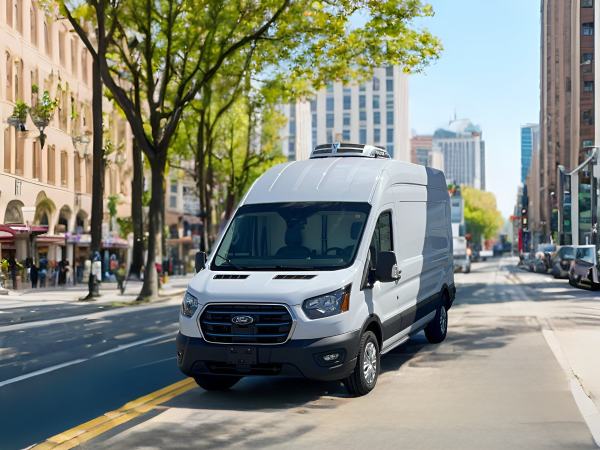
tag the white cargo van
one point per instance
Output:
(326, 265)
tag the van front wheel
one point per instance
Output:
(435, 332)
(364, 378)
(216, 382)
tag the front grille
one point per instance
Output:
(294, 277)
(272, 324)
(230, 277)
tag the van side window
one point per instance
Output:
(382, 240)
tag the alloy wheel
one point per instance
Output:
(443, 320)
(370, 363)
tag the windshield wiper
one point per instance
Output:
(231, 263)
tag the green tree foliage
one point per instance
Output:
(481, 215)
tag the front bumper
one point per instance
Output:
(296, 358)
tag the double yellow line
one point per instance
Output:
(99, 425)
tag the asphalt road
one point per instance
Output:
(41, 406)
(494, 383)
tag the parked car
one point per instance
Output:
(542, 260)
(561, 262)
(583, 272)
(317, 276)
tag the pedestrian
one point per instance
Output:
(13, 273)
(34, 276)
(121, 278)
(42, 276)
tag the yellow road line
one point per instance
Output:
(125, 413)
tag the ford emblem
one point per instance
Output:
(242, 320)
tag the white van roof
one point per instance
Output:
(346, 179)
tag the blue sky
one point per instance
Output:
(489, 73)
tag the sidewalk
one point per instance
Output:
(574, 317)
(72, 294)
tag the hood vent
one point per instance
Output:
(230, 277)
(294, 277)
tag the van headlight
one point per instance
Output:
(189, 305)
(327, 305)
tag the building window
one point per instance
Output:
(568, 84)
(46, 39)
(347, 102)
(377, 135)
(88, 176)
(9, 13)
(362, 87)
(61, 48)
(362, 101)
(362, 136)
(376, 102)
(19, 16)
(588, 86)
(389, 71)
(329, 87)
(329, 136)
(292, 146)
(329, 120)
(390, 101)
(74, 53)
(313, 105)
(346, 135)
(37, 160)
(376, 118)
(173, 202)
(292, 127)
(587, 3)
(390, 150)
(375, 84)
(362, 115)
(390, 135)
(20, 154)
(330, 104)
(9, 92)
(587, 58)
(7, 149)
(292, 111)
(63, 168)
(51, 164)
(346, 119)
(314, 138)
(587, 144)
(84, 68)
(390, 117)
(587, 29)
(77, 172)
(33, 25)
(314, 121)
(389, 85)
(586, 117)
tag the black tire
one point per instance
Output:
(216, 382)
(357, 383)
(436, 330)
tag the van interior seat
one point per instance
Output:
(293, 245)
(354, 233)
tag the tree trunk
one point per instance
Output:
(155, 230)
(137, 260)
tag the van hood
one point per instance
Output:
(212, 286)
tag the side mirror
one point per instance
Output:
(387, 268)
(200, 261)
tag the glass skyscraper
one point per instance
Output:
(529, 138)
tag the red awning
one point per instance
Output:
(6, 233)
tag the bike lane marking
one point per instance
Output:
(86, 431)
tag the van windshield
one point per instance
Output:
(292, 236)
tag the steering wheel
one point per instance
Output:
(338, 250)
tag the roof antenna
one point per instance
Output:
(454, 114)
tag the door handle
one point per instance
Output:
(441, 259)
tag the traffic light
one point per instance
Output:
(524, 222)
